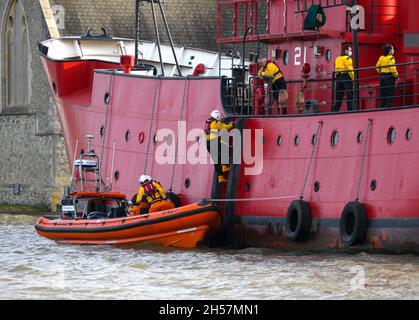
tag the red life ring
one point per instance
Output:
(141, 137)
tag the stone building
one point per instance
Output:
(33, 162)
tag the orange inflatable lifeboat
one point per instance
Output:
(106, 219)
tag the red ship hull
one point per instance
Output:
(130, 119)
(386, 183)
(393, 206)
(366, 158)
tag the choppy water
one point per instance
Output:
(35, 268)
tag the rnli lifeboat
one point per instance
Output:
(106, 219)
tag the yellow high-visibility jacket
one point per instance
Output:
(345, 64)
(216, 126)
(158, 195)
(271, 70)
(387, 61)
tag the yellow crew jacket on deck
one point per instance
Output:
(386, 62)
(159, 195)
(216, 126)
(271, 70)
(344, 64)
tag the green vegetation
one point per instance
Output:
(9, 208)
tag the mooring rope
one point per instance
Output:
(364, 153)
(153, 112)
(316, 142)
(105, 127)
(184, 102)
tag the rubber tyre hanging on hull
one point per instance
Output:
(298, 221)
(353, 224)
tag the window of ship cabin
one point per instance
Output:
(15, 57)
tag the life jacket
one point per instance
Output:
(150, 191)
(208, 125)
(343, 66)
(388, 63)
(279, 69)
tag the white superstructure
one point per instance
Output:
(110, 50)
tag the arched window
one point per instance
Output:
(16, 57)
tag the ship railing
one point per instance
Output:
(304, 5)
(240, 99)
(381, 18)
(319, 95)
(369, 87)
(377, 20)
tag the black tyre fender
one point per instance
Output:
(298, 222)
(174, 198)
(353, 225)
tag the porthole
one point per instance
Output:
(297, 140)
(408, 134)
(286, 57)
(316, 186)
(359, 137)
(107, 98)
(102, 131)
(187, 183)
(248, 186)
(54, 87)
(141, 137)
(373, 185)
(334, 140)
(329, 55)
(127, 135)
(314, 139)
(279, 140)
(116, 175)
(391, 135)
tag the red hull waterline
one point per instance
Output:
(324, 173)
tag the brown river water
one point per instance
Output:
(35, 268)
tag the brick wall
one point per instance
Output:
(32, 152)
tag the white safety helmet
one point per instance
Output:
(216, 115)
(144, 179)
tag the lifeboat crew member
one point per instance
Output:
(388, 76)
(344, 78)
(269, 69)
(212, 127)
(151, 196)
